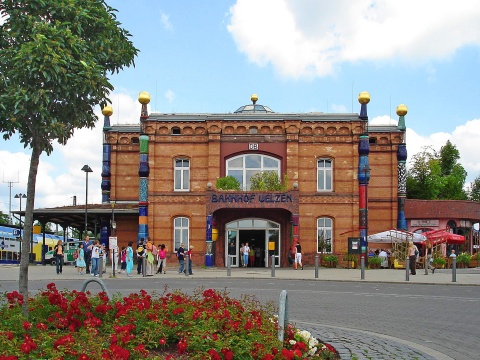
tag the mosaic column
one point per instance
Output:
(402, 169)
(363, 175)
(143, 170)
(107, 111)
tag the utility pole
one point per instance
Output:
(10, 185)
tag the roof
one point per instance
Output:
(442, 209)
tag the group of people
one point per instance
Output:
(181, 254)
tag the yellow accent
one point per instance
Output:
(37, 229)
(254, 98)
(144, 97)
(214, 234)
(107, 110)
(364, 97)
(271, 245)
(402, 110)
(142, 220)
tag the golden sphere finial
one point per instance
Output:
(107, 110)
(364, 97)
(254, 98)
(144, 97)
(402, 110)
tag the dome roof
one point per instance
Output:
(253, 108)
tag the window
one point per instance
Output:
(324, 235)
(243, 167)
(175, 131)
(324, 175)
(182, 175)
(181, 232)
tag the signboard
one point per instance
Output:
(16, 232)
(112, 242)
(424, 223)
(354, 245)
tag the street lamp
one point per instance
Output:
(87, 170)
(20, 196)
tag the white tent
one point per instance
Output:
(393, 235)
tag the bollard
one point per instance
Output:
(425, 264)
(229, 265)
(113, 263)
(282, 314)
(98, 281)
(407, 269)
(362, 268)
(273, 265)
(454, 269)
(316, 266)
(100, 267)
(144, 266)
(186, 268)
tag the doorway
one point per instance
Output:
(260, 234)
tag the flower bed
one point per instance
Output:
(207, 325)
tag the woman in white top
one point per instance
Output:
(246, 254)
(95, 257)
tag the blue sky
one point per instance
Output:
(298, 56)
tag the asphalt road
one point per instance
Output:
(439, 320)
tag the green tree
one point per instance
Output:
(435, 175)
(267, 180)
(474, 191)
(55, 56)
(4, 218)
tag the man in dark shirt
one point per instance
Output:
(87, 249)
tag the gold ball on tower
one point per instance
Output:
(144, 98)
(364, 97)
(402, 110)
(107, 110)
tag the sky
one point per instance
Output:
(201, 56)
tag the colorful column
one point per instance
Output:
(402, 169)
(143, 170)
(107, 111)
(363, 175)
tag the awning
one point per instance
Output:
(444, 236)
(395, 235)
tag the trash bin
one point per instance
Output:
(209, 260)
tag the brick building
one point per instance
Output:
(169, 165)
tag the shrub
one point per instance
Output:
(374, 260)
(228, 183)
(267, 180)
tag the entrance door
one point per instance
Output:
(258, 233)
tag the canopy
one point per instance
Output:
(394, 235)
(439, 236)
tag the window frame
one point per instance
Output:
(323, 172)
(325, 228)
(178, 237)
(250, 171)
(182, 171)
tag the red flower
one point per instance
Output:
(227, 354)
(27, 325)
(214, 355)
(288, 354)
(162, 341)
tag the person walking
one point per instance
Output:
(298, 255)
(428, 246)
(150, 257)
(162, 260)
(246, 254)
(59, 254)
(412, 252)
(181, 257)
(140, 256)
(190, 263)
(95, 258)
(123, 260)
(129, 259)
(87, 248)
(242, 246)
(80, 261)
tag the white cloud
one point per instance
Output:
(382, 120)
(165, 20)
(309, 38)
(170, 96)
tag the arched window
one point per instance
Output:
(182, 174)
(181, 232)
(324, 174)
(324, 235)
(243, 167)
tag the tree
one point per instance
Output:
(435, 175)
(4, 218)
(54, 59)
(474, 191)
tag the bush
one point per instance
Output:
(464, 258)
(227, 183)
(374, 260)
(267, 180)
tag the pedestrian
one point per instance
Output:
(251, 257)
(150, 257)
(190, 263)
(96, 249)
(258, 256)
(140, 256)
(80, 261)
(181, 257)
(103, 256)
(412, 252)
(59, 254)
(428, 246)
(246, 254)
(87, 248)
(123, 259)
(162, 260)
(242, 246)
(298, 255)
(452, 254)
(129, 259)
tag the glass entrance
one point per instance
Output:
(262, 236)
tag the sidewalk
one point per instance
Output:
(469, 276)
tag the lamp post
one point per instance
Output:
(87, 170)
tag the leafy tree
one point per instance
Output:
(435, 175)
(54, 59)
(228, 182)
(266, 180)
(4, 219)
(474, 191)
